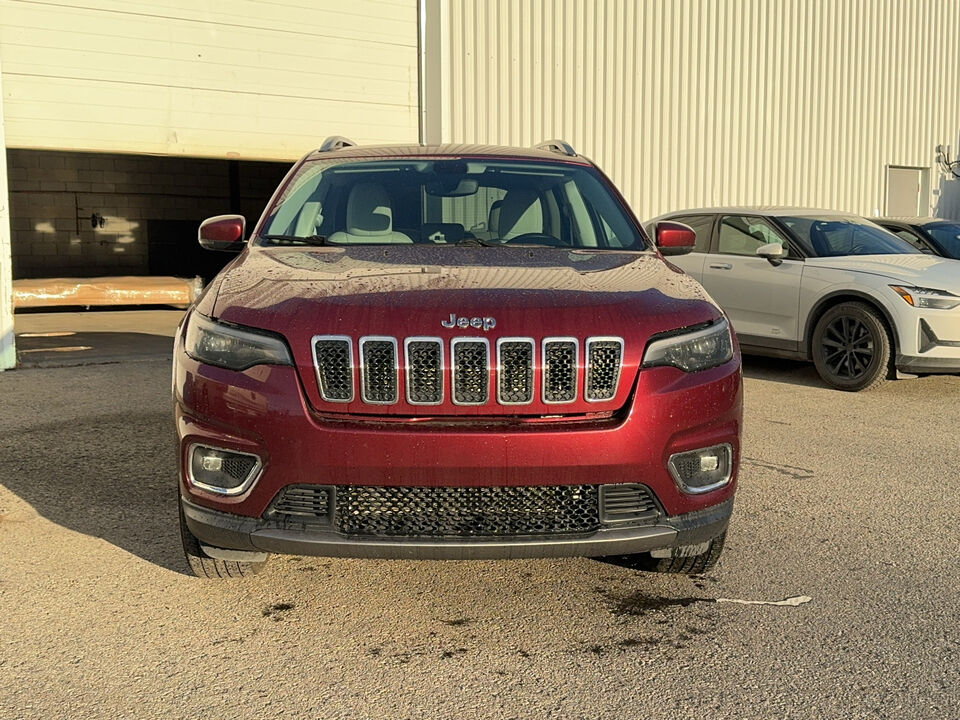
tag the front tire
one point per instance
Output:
(851, 347)
(208, 567)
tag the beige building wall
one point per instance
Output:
(688, 103)
(240, 79)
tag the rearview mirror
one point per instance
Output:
(673, 238)
(223, 232)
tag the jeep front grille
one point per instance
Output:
(333, 359)
(559, 370)
(603, 368)
(471, 371)
(365, 510)
(424, 373)
(514, 371)
(378, 370)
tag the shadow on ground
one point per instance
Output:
(108, 476)
(62, 349)
(791, 372)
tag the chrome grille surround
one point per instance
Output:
(559, 356)
(424, 379)
(379, 369)
(603, 363)
(426, 367)
(515, 361)
(334, 376)
(470, 363)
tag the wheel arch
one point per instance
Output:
(840, 296)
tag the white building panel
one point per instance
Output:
(687, 103)
(245, 78)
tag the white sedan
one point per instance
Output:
(830, 287)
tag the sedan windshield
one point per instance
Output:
(946, 236)
(450, 201)
(838, 236)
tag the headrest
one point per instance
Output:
(516, 204)
(368, 210)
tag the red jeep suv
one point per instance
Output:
(453, 352)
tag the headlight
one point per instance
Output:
(927, 297)
(232, 347)
(692, 351)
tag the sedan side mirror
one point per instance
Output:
(772, 252)
(223, 232)
(673, 238)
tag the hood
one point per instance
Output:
(920, 270)
(412, 292)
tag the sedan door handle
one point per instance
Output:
(721, 266)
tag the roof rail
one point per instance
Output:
(557, 146)
(336, 142)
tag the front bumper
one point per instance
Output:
(233, 532)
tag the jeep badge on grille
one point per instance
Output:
(487, 323)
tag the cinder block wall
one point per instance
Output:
(54, 195)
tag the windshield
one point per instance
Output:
(450, 201)
(837, 236)
(946, 236)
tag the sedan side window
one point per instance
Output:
(740, 235)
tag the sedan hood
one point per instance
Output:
(414, 291)
(919, 270)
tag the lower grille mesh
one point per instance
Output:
(374, 511)
(466, 512)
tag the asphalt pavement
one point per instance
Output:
(850, 500)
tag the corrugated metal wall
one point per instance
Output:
(688, 103)
(247, 79)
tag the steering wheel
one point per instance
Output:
(535, 238)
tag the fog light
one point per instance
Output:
(699, 471)
(225, 472)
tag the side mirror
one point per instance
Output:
(772, 252)
(673, 238)
(223, 232)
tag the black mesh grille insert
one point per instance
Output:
(424, 371)
(603, 371)
(379, 371)
(466, 512)
(471, 378)
(302, 504)
(559, 371)
(238, 466)
(627, 503)
(333, 370)
(516, 372)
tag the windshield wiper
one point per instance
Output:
(476, 242)
(296, 239)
